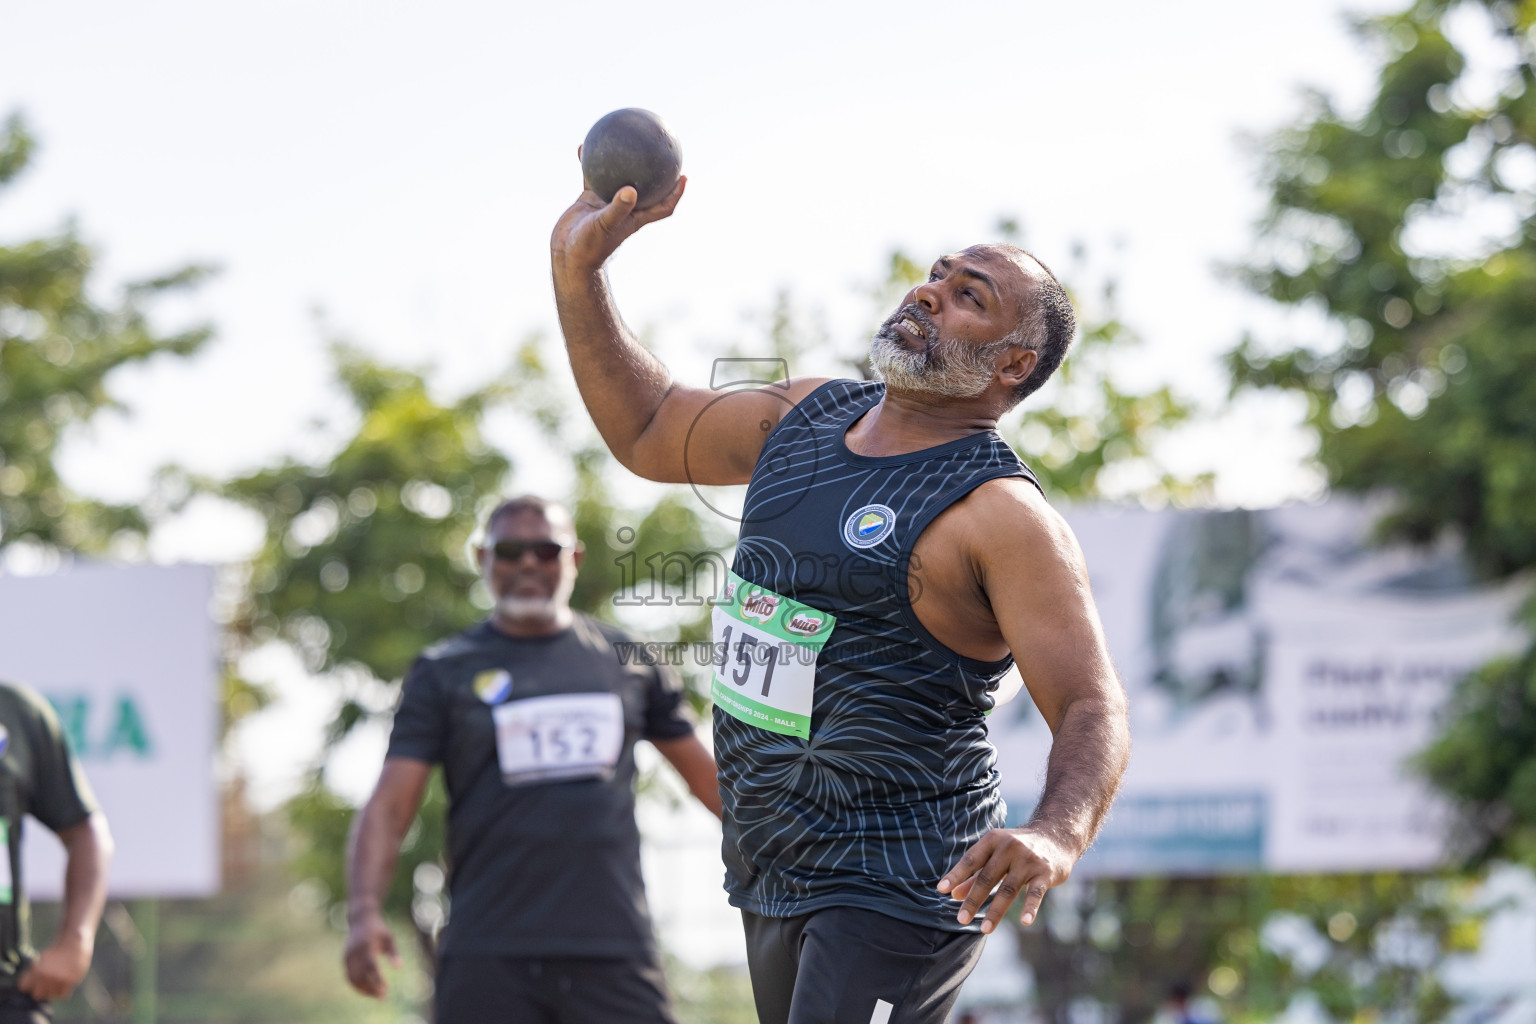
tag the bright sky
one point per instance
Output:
(400, 166)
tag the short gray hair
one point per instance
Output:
(556, 514)
(1047, 328)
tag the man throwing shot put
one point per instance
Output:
(895, 559)
(533, 715)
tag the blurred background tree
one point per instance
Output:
(1411, 230)
(1420, 392)
(1414, 230)
(364, 562)
(1333, 946)
(59, 347)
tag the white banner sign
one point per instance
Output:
(128, 656)
(1281, 671)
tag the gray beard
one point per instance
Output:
(944, 369)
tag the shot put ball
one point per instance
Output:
(631, 147)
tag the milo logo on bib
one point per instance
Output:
(805, 625)
(760, 606)
(766, 646)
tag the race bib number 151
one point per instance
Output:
(766, 647)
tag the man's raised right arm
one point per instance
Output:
(655, 427)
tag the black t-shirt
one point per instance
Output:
(38, 776)
(540, 866)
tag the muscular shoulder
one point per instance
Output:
(1011, 504)
(798, 389)
(1009, 527)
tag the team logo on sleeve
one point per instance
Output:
(493, 685)
(869, 526)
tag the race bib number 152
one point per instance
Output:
(562, 736)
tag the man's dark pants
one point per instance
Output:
(551, 990)
(846, 965)
(19, 1008)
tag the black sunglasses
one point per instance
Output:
(513, 550)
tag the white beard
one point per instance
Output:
(962, 372)
(528, 609)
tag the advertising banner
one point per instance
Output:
(128, 656)
(1281, 670)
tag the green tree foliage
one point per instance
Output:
(1413, 229)
(58, 349)
(366, 558)
(1350, 945)
(1403, 238)
(1485, 759)
(60, 346)
(365, 561)
(1374, 223)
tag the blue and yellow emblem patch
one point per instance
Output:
(868, 526)
(493, 685)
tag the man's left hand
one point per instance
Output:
(1010, 860)
(56, 971)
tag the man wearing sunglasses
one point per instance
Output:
(533, 715)
(895, 557)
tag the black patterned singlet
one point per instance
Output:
(897, 777)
